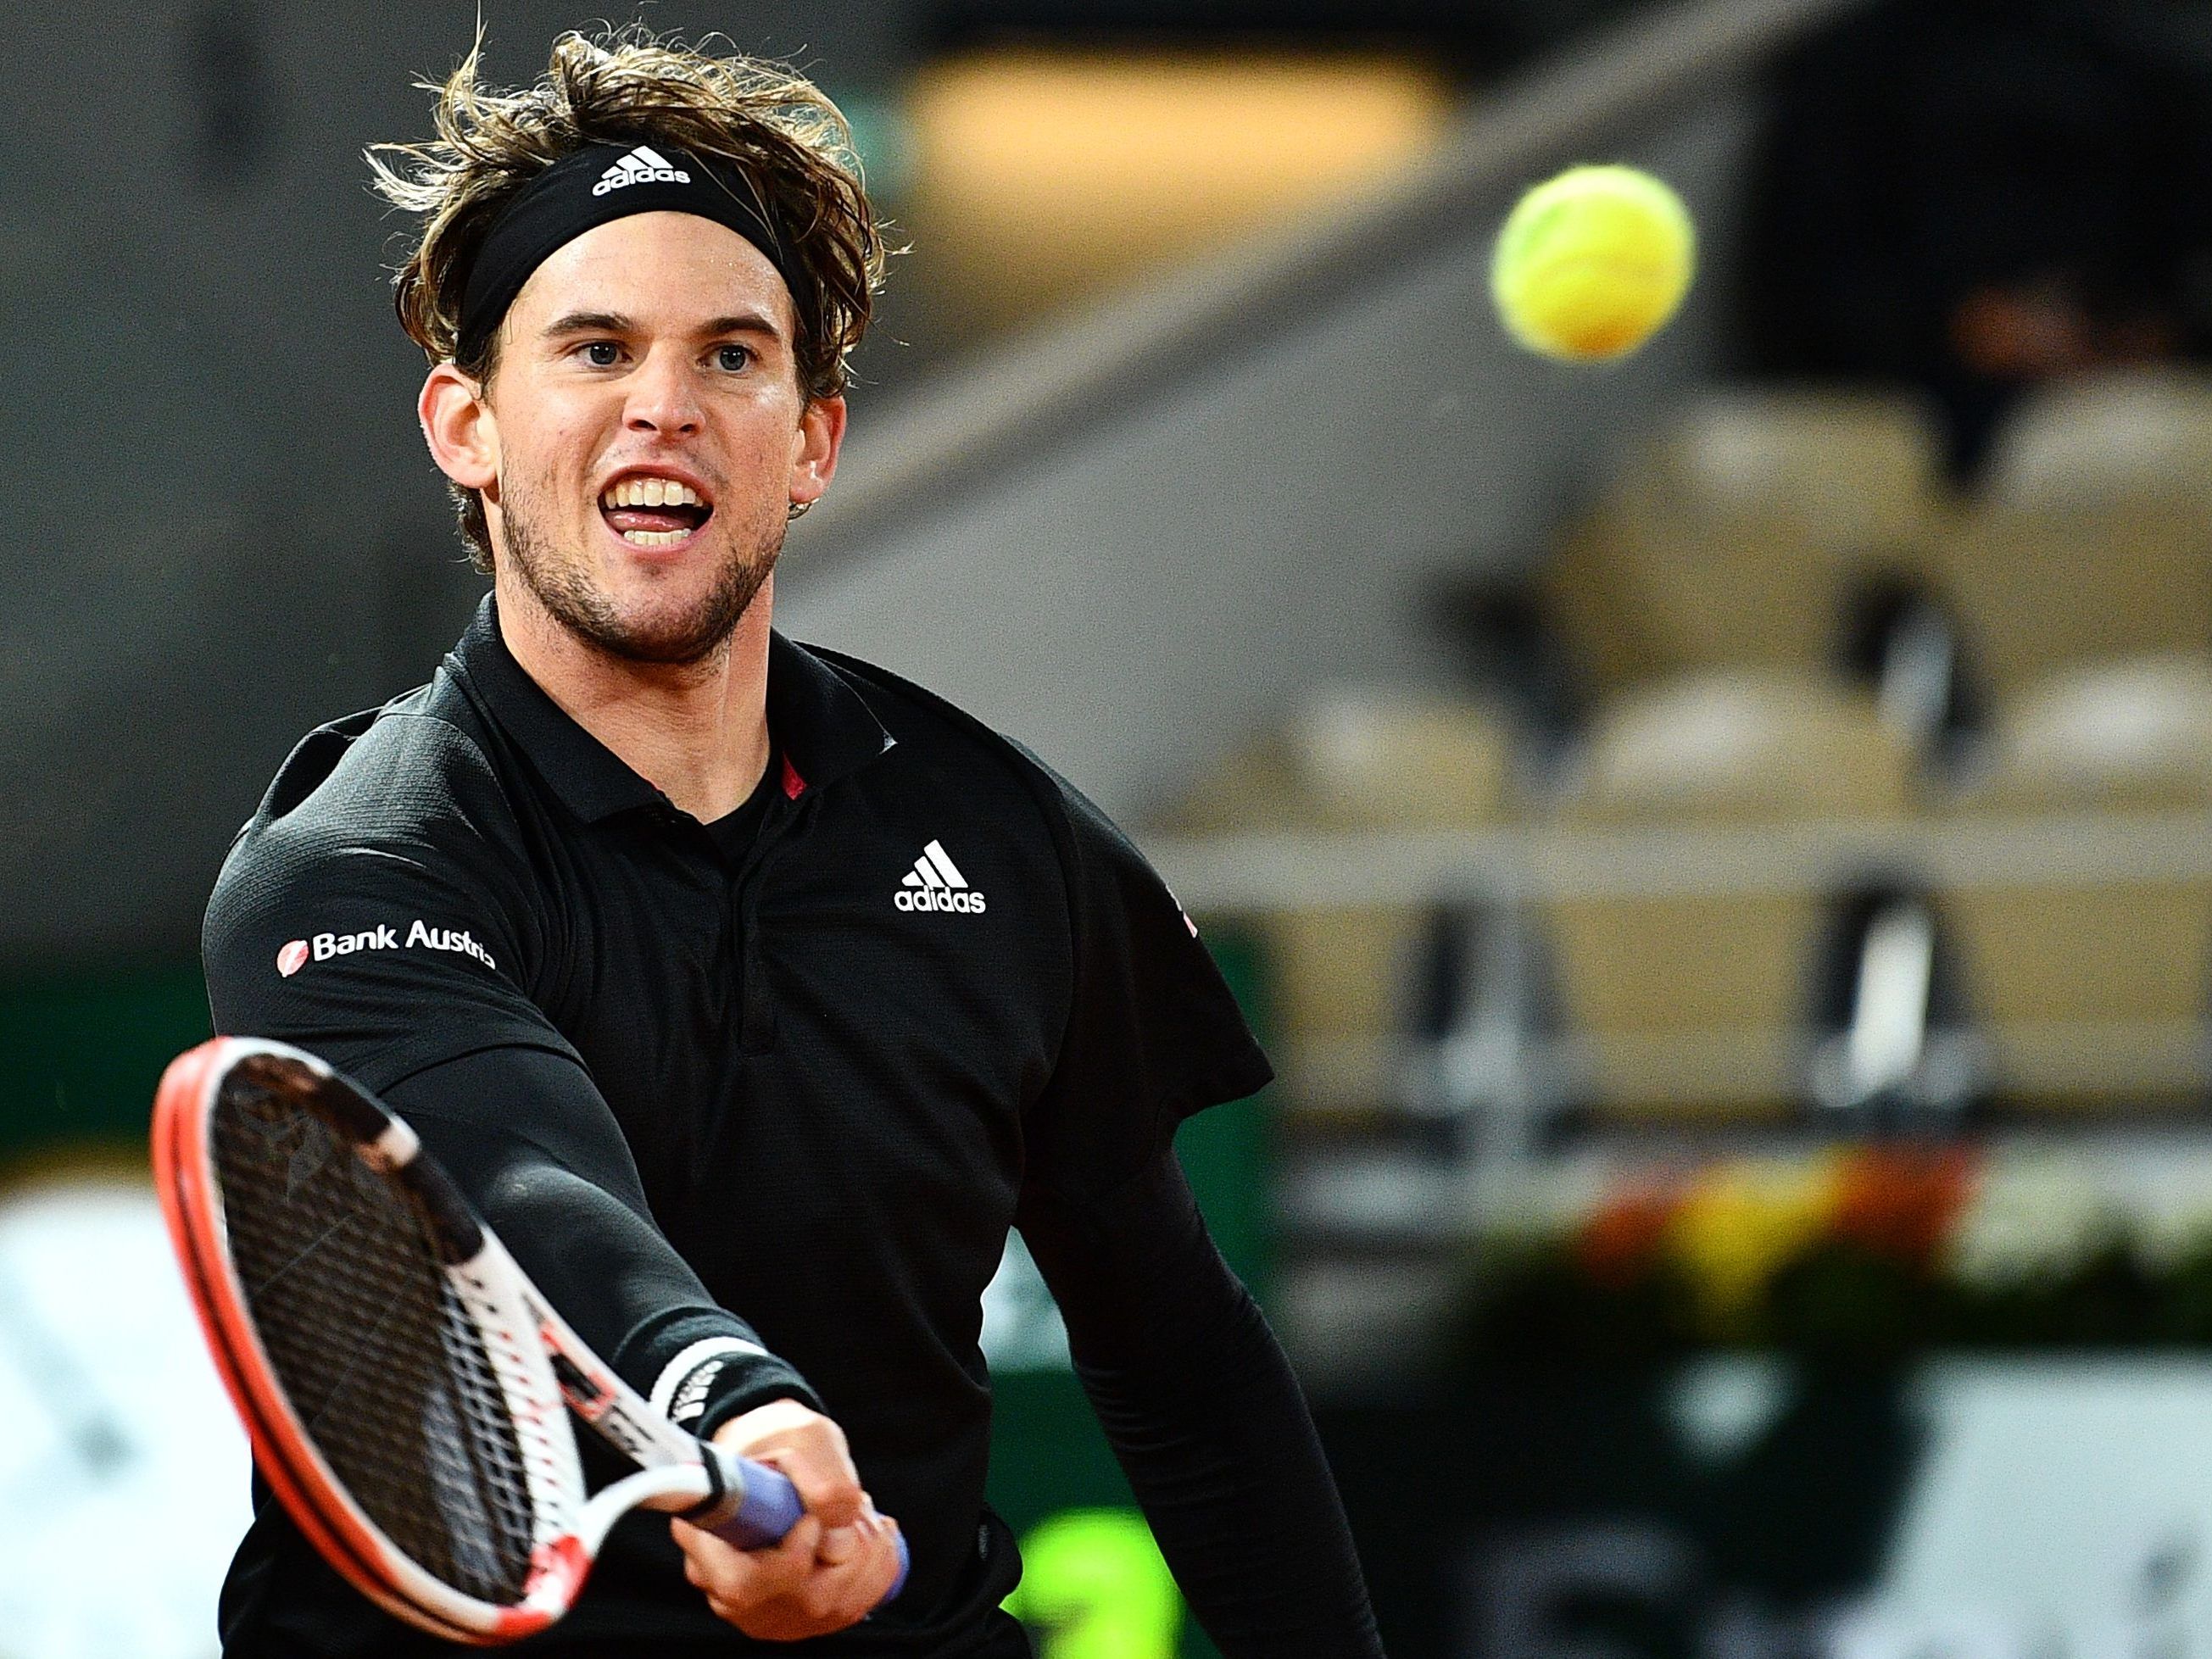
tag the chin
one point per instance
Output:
(632, 614)
(660, 628)
(675, 643)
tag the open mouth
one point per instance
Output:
(650, 511)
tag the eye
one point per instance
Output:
(733, 359)
(601, 353)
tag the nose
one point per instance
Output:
(663, 397)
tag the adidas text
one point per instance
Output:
(936, 898)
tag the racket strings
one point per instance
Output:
(377, 1354)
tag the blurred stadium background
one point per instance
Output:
(1718, 846)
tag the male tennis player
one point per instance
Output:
(752, 992)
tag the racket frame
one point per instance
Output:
(541, 1365)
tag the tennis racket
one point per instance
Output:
(401, 1380)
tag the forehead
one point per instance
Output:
(667, 269)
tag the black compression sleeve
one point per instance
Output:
(1204, 1418)
(528, 1137)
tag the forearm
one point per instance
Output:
(530, 1141)
(1240, 1499)
(1203, 1413)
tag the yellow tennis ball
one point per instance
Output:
(1591, 265)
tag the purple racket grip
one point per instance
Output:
(770, 1507)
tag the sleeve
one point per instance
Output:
(1153, 1034)
(557, 1184)
(1204, 1418)
(377, 925)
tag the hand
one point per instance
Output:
(831, 1570)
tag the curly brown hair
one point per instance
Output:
(629, 85)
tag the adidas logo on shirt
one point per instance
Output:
(935, 884)
(644, 165)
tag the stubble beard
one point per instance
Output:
(564, 586)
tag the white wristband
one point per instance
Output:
(679, 1394)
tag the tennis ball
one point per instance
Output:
(1591, 265)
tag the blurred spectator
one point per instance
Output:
(1972, 196)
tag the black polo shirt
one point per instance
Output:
(838, 1032)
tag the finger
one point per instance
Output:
(800, 1542)
(809, 1449)
(875, 1555)
(710, 1564)
(823, 1472)
(893, 1558)
(790, 1563)
(840, 1545)
(830, 1599)
(748, 1577)
(851, 1591)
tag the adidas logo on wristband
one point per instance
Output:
(691, 1397)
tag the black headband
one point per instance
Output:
(590, 188)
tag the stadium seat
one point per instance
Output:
(2095, 983)
(1401, 761)
(1741, 747)
(1362, 760)
(2039, 589)
(2092, 539)
(2105, 439)
(1732, 539)
(1695, 998)
(2132, 733)
(1355, 761)
(1855, 467)
(1377, 763)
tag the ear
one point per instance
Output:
(458, 426)
(814, 449)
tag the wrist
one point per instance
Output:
(737, 1406)
(764, 1421)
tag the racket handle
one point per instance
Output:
(770, 1507)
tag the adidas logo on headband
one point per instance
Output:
(643, 165)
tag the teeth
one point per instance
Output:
(654, 537)
(651, 492)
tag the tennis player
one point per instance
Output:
(752, 992)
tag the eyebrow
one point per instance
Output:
(579, 322)
(745, 322)
(613, 322)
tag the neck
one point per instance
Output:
(697, 732)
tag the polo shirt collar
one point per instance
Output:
(820, 723)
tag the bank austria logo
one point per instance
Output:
(642, 165)
(935, 884)
(420, 936)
